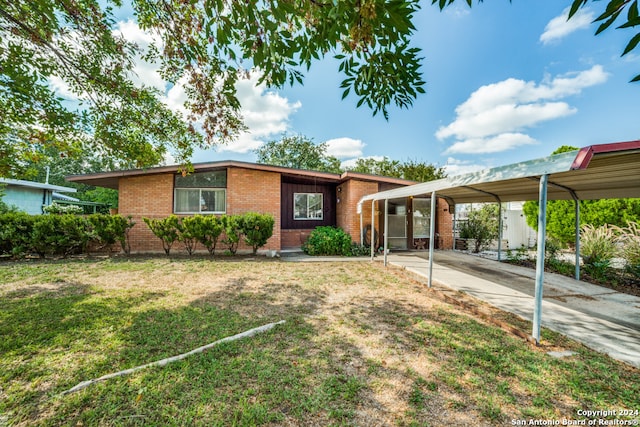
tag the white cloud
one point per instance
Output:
(496, 144)
(265, 113)
(351, 163)
(344, 147)
(459, 167)
(144, 72)
(560, 27)
(498, 113)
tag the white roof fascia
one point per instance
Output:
(41, 185)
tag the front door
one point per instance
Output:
(397, 224)
(421, 224)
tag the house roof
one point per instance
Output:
(603, 171)
(110, 179)
(37, 185)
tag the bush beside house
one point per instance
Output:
(252, 228)
(64, 234)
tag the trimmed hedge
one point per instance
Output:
(253, 228)
(22, 234)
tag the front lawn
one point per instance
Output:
(361, 346)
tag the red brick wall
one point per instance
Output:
(148, 196)
(291, 239)
(151, 196)
(255, 191)
(350, 193)
(444, 225)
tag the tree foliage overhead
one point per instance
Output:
(412, 170)
(298, 152)
(206, 46)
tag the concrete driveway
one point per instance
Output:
(600, 318)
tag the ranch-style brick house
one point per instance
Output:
(299, 200)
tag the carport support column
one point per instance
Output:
(361, 228)
(577, 202)
(542, 232)
(499, 230)
(386, 229)
(432, 235)
(373, 223)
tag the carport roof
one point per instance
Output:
(603, 171)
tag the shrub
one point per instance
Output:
(630, 239)
(482, 226)
(327, 240)
(232, 226)
(206, 229)
(15, 233)
(110, 229)
(166, 229)
(59, 235)
(187, 233)
(58, 209)
(256, 228)
(598, 244)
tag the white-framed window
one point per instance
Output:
(307, 206)
(201, 192)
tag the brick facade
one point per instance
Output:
(350, 192)
(255, 190)
(148, 196)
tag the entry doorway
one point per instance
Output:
(397, 229)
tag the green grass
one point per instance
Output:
(360, 345)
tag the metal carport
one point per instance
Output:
(603, 171)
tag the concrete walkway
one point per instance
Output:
(600, 318)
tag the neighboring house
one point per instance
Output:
(31, 197)
(299, 200)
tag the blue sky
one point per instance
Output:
(506, 82)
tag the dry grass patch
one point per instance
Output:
(362, 346)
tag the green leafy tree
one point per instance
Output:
(412, 170)
(482, 225)
(206, 46)
(297, 152)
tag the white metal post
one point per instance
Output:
(386, 229)
(373, 223)
(361, 228)
(499, 231)
(432, 235)
(542, 229)
(577, 202)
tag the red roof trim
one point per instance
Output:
(584, 156)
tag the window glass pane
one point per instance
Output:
(421, 218)
(314, 202)
(202, 180)
(187, 200)
(307, 206)
(299, 206)
(212, 201)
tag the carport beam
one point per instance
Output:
(542, 228)
(432, 234)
